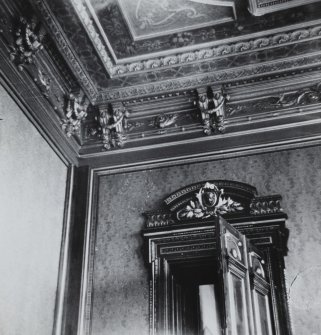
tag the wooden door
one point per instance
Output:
(244, 284)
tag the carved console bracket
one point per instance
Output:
(27, 42)
(206, 200)
(211, 103)
(113, 122)
(75, 112)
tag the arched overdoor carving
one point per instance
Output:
(195, 230)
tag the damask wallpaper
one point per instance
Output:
(121, 288)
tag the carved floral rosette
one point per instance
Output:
(209, 201)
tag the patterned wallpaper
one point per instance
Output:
(120, 295)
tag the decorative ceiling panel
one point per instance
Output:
(152, 18)
(114, 60)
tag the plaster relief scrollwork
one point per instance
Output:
(164, 120)
(113, 121)
(209, 201)
(238, 76)
(212, 104)
(303, 97)
(27, 42)
(44, 83)
(75, 112)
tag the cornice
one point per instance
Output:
(296, 64)
(66, 50)
(34, 82)
(239, 143)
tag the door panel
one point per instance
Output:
(260, 288)
(232, 254)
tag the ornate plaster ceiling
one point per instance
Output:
(126, 80)
(121, 44)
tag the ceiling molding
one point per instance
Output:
(65, 48)
(223, 48)
(269, 86)
(175, 156)
(218, 77)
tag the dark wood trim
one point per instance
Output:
(69, 288)
(64, 250)
(124, 166)
(165, 244)
(85, 306)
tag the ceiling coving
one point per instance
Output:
(139, 80)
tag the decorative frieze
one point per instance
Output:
(239, 76)
(75, 112)
(113, 122)
(212, 103)
(27, 42)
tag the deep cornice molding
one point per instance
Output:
(241, 74)
(66, 50)
(267, 109)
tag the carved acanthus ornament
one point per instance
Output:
(209, 201)
(113, 122)
(75, 112)
(212, 104)
(27, 42)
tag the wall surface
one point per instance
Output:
(32, 183)
(120, 295)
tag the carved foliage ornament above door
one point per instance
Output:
(209, 201)
(205, 200)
